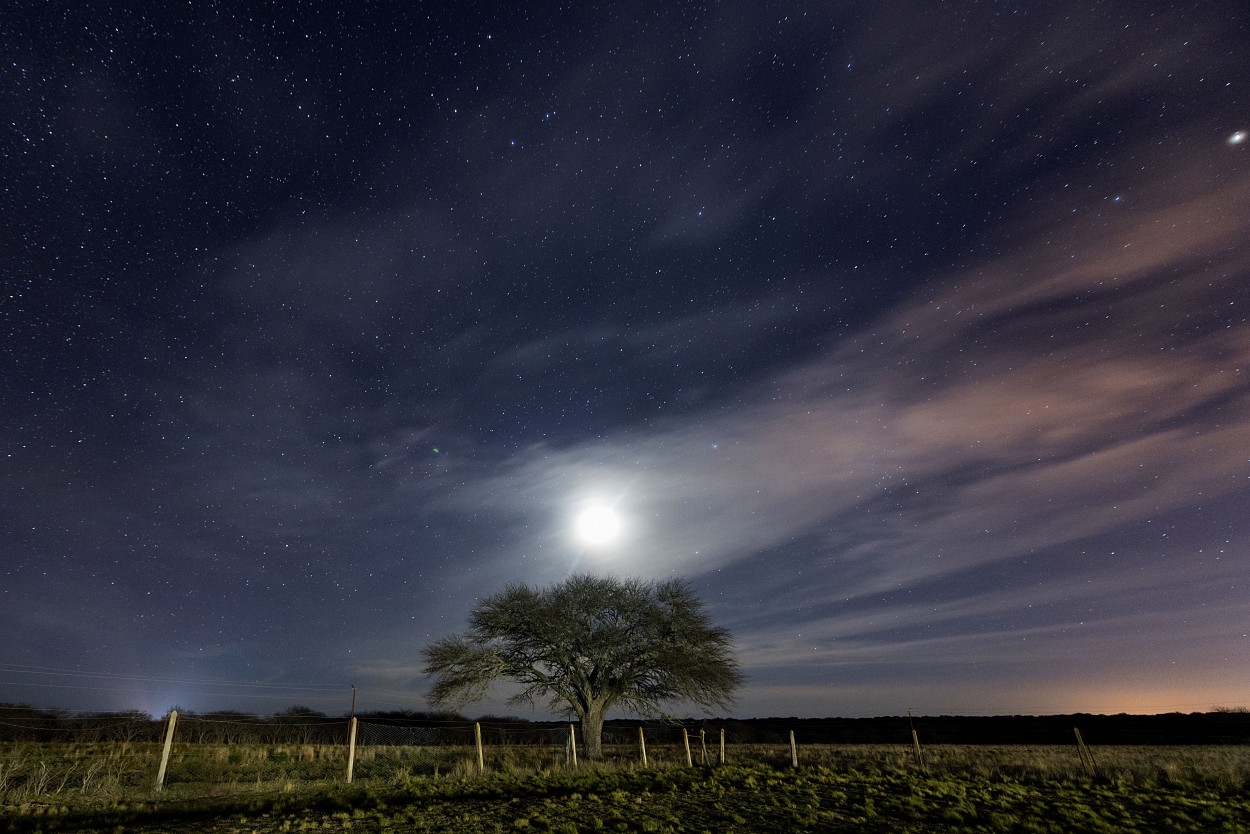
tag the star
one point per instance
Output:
(940, 374)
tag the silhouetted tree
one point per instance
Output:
(589, 644)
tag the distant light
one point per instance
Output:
(1237, 138)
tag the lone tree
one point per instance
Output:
(589, 644)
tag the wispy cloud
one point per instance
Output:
(1016, 413)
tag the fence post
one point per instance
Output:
(685, 739)
(915, 744)
(1087, 758)
(351, 749)
(169, 742)
(722, 745)
(642, 745)
(794, 751)
(477, 740)
(572, 745)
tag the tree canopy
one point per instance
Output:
(587, 645)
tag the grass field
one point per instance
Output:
(862, 788)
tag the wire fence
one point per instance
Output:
(48, 756)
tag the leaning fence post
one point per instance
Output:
(351, 748)
(477, 740)
(169, 742)
(572, 745)
(915, 744)
(642, 745)
(685, 739)
(1087, 758)
(722, 745)
(794, 751)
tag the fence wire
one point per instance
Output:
(46, 756)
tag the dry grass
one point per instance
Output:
(83, 774)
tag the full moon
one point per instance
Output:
(598, 525)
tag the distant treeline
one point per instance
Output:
(301, 725)
(1223, 727)
(295, 725)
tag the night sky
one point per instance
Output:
(914, 335)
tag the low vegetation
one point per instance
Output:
(869, 788)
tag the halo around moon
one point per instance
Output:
(597, 525)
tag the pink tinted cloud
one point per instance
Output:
(1075, 384)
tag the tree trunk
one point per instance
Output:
(592, 734)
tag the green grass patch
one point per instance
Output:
(869, 789)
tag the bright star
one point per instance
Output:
(1237, 138)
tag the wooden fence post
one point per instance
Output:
(477, 740)
(642, 745)
(915, 744)
(794, 751)
(722, 745)
(572, 745)
(169, 743)
(703, 747)
(1087, 758)
(351, 749)
(685, 740)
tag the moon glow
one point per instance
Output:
(598, 525)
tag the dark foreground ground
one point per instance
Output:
(727, 799)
